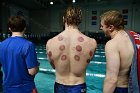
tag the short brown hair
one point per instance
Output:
(73, 16)
(16, 23)
(113, 17)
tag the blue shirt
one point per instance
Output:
(17, 55)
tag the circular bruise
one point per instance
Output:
(77, 58)
(90, 53)
(49, 53)
(62, 47)
(60, 38)
(51, 60)
(78, 48)
(80, 39)
(88, 61)
(63, 57)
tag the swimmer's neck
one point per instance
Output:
(71, 27)
(115, 32)
(17, 34)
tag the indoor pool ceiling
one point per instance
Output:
(37, 4)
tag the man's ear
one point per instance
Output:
(63, 19)
(111, 27)
(9, 29)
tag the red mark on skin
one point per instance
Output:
(49, 53)
(52, 63)
(60, 38)
(80, 39)
(51, 60)
(90, 53)
(63, 57)
(62, 47)
(88, 61)
(78, 48)
(76, 57)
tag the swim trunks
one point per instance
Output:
(60, 88)
(121, 90)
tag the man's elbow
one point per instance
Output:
(112, 80)
(33, 71)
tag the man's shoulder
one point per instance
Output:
(26, 41)
(111, 44)
(55, 37)
(51, 40)
(92, 40)
(89, 38)
(5, 41)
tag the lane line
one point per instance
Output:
(97, 62)
(42, 58)
(87, 74)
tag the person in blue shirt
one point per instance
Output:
(18, 59)
(1, 75)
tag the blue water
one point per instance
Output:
(94, 75)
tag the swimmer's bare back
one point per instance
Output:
(70, 53)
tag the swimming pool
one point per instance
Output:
(94, 75)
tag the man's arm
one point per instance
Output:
(112, 67)
(49, 57)
(33, 71)
(94, 44)
(31, 59)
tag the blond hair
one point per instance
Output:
(113, 17)
(73, 16)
